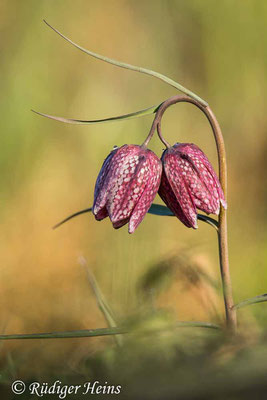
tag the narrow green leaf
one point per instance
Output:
(155, 209)
(141, 113)
(107, 331)
(254, 300)
(158, 209)
(133, 68)
(86, 210)
(212, 222)
(67, 334)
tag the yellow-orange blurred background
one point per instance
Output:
(48, 169)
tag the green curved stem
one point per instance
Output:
(222, 230)
(132, 67)
(222, 233)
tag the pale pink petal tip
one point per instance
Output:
(131, 227)
(217, 212)
(224, 204)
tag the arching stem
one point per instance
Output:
(222, 231)
(161, 136)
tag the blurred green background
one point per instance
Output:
(48, 169)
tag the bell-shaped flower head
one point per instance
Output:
(126, 185)
(189, 182)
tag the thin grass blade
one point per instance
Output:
(101, 300)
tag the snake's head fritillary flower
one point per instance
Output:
(189, 182)
(126, 186)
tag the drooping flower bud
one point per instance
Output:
(189, 182)
(126, 186)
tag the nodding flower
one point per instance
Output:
(126, 185)
(189, 182)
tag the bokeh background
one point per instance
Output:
(48, 169)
